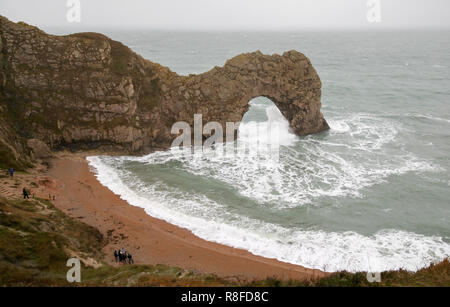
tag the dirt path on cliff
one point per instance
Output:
(150, 240)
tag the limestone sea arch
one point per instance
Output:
(85, 91)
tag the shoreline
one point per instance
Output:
(150, 240)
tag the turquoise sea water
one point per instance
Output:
(373, 193)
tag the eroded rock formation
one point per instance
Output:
(85, 91)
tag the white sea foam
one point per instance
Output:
(311, 168)
(354, 158)
(338, 126)
(328, 251)
(431, 117)
(273, 131)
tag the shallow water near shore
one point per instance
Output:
(372, 193)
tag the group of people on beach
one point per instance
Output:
(123, 256)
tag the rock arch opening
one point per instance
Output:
(264, 124)
(257, 110)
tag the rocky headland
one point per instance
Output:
(85, 91)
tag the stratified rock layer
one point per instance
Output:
(86, 91)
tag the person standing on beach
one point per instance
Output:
(116, 256)
(121, 255)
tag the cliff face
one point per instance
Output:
(85, 91)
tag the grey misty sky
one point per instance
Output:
(232, 14)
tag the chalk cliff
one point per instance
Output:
(86, 91)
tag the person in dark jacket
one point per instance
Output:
(116, 256)
(25, 193)
(11, 171)
(121, 256)
(130, 258)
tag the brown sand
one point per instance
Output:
(150, 240)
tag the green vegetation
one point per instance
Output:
(89, 36)
(121, 55)
(149, 276)
(36, 239)
(7, 159)
(150, 95)
(436, 275)
(26, 25)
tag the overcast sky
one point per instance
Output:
(232, 14)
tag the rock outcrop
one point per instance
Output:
(86, 91)
(39, 150)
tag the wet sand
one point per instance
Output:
(150, 240)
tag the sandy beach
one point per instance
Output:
(152, 241)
